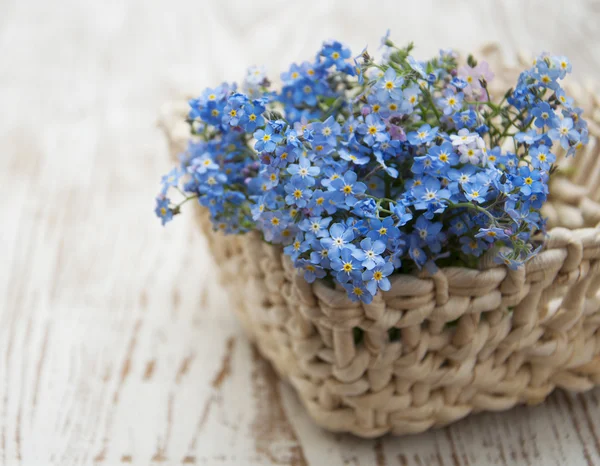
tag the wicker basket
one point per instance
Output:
(514, 335)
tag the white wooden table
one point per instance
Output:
(116, 344)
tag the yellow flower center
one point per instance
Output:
(528, 180)
(232, 112)
(252, 117)
(347, 189)
(335, 55)
(378, 275)
(348, 267)
(297, 194)
(383, 231)
(372, 130)
(389, 85)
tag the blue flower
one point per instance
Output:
(389, 86)
(234, 109)
(491, 234)
(403, 214)
(430, 193)
(356, 159)
(311, 271)
(346, 266)
(170, 179)
(326, 132)
(336, 54)
(410, 98)
(267, 139)
(475, 192)
(451, 102)
(505, 257)
(297, 193)
(383, 230)
(471, 246)
(543, 114)
(429, 233)
(529, 181)
(340, 236)
(458, 83)
(349, 187)
(358, 292)
(466, 119)
(297, 247)
(426, 165)
(458, 226)
(562, 130)
(376, 278)
(417, 254)
(163, 211)
(444, 153)
(316, 226)
(528, 137)
(252, 116)
(546, 76)
(424, 135)
(306, 91)
(373, 129)
(564, 99)
(541, 157)
(202, 164)
(369, 253)
(304, 172)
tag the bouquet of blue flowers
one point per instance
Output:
(362, 169)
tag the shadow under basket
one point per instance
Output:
(434, 348)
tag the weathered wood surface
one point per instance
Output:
(116, 345)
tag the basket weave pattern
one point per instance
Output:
(469, 340)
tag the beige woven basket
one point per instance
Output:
(515, 335)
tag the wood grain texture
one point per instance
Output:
(116, 344)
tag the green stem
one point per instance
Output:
(468, 205)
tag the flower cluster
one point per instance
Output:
(362, 169)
